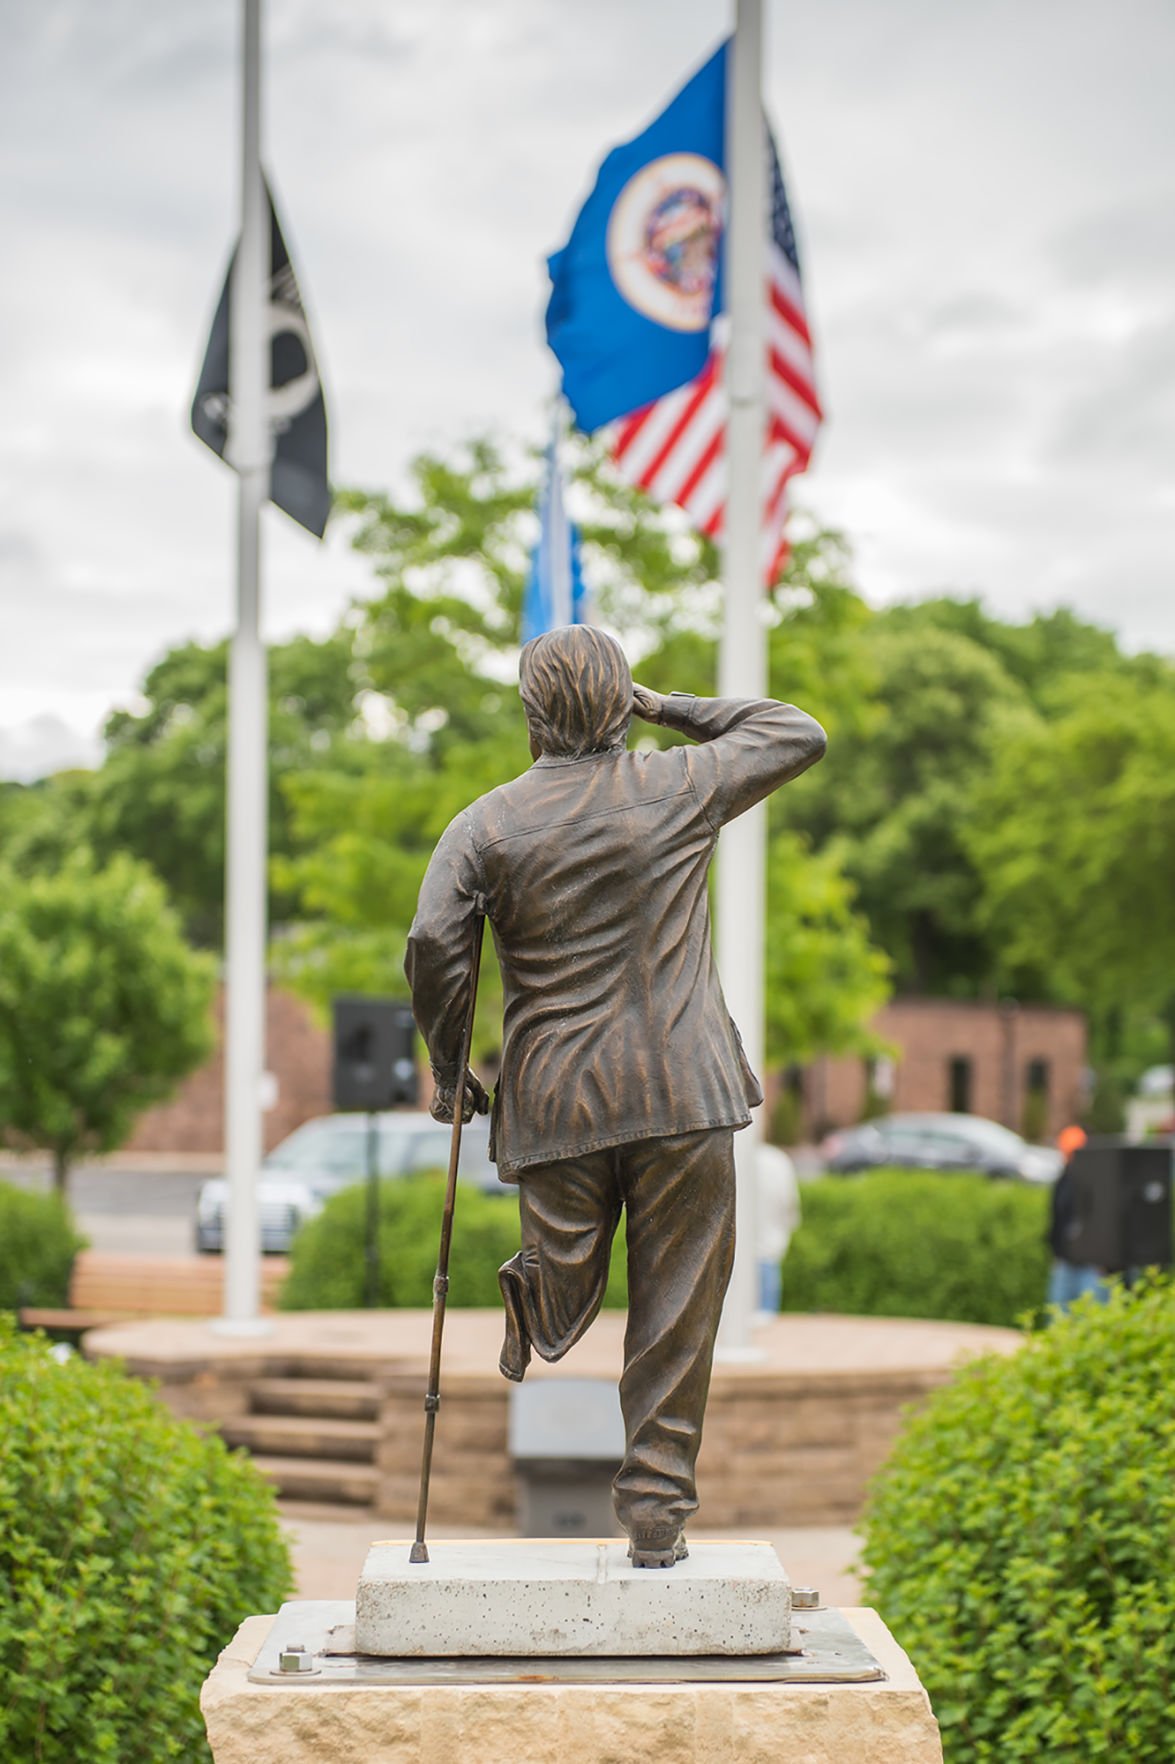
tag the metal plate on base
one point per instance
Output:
(828, 1651)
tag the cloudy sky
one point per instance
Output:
(985, 195)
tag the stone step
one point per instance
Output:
(303, 1436)
(321, 1479)
(340, 1366)
(342, 1399)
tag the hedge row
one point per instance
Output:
(905, 1243)
(38, 1243)
(891, 1244)
(131, 1547)
(328, 1269)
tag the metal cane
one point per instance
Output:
(440, 1286)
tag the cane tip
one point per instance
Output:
(419, 1552)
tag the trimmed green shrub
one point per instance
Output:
(131, 1546)
(1021, 1543)
(327, 1268)
(912, 1243)
(38, 1243)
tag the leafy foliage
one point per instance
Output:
(161, 793)
(906, 1243)
(1020, 1540)
(103, 1007)
(1075, 831)
(1047, 656)
(327, 1271)
(41, 823)
(824, 979)
(894, 799)
(131, 1546)
(38, 1244)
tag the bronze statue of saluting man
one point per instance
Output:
(623, 1078)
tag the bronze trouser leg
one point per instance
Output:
(679, 1193)
(569, 1212)
(679, 1197)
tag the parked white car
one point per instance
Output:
(939, 1142)
(319, 1158)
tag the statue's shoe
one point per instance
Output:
(657, 1547)
(515, 1356)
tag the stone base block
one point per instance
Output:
(553, 1597)
(885, 1722)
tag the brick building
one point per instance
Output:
(1024, 1065)
(298, 1053)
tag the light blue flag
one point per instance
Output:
(555, 593)
(635, 288)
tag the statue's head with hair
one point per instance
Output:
(576, 685)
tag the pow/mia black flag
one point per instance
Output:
(297, 412)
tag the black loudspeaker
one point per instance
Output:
(374, 1054)
(1121, 1206)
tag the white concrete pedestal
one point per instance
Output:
(315, 1721)
(555, 1597)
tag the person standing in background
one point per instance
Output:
(1068, 1280)
(777, 1216)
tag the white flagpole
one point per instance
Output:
(247, 829)
(742, 667)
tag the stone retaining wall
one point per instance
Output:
(790, 1440)
(780, 1449)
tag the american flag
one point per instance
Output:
(674, 448)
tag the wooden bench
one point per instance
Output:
(71, 1325)
(106, 1289)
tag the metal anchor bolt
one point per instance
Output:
(295, 1658)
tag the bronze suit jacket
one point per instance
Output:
(592, 873)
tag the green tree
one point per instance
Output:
(1074, 833)
(103, 1006)
(824, 978)
(440, 644)
(894, 797)
(160, 793)
(41, 823)
(1045, 654)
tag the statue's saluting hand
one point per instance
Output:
(645, 704)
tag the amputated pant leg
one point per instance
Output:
(568, 1213)
(679, 1197)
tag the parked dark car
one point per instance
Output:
(940, 1142)
(319, 1158)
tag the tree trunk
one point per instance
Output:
(922, 952)
(60, 1170)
